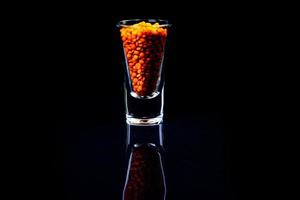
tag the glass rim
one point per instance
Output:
(163, 22)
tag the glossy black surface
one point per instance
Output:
(91, 158)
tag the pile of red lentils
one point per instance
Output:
(144, 48)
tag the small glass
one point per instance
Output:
(144, 42)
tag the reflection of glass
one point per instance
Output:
(145, 176)
(144, 47)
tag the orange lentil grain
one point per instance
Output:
(138, 65)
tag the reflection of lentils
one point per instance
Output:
(145, 178)
(144, 48)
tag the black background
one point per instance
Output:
(209, 103)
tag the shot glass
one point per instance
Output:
(144, 42)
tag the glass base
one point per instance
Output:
(144, 121)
